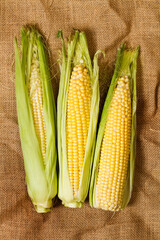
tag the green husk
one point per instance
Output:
(41, 178)
(126, 64)
(77, 49)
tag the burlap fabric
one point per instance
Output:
(107, 24)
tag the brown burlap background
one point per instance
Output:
(107, 24)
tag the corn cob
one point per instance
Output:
(78, 105)
(77, 125)
(112, 175)
(37, 119)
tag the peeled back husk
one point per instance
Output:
(126, 65)
(76, 53)
(40, 168)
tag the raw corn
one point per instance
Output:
(37, 119)
(112, 175)
(77, 125)
(114, 153)
(78, 106)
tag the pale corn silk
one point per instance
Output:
(107, 24)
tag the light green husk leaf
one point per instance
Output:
(41, 178)
(126, 65)
(77, 49)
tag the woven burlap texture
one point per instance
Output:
(107, 24)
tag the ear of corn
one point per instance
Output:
(113, 167)
(37, 119)
(78, 106)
